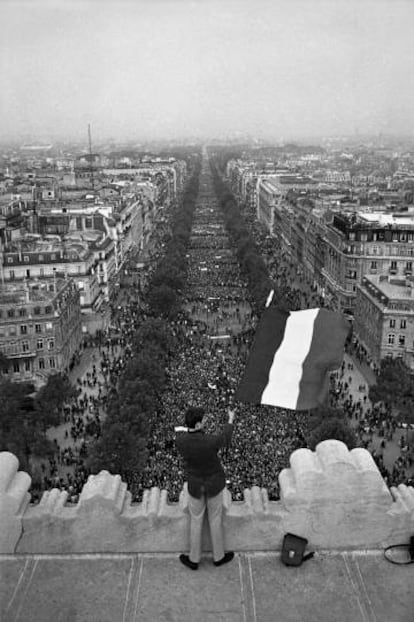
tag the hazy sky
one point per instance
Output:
(154, 68)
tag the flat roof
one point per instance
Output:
(393, 288)
(255, 587)
(384, 219)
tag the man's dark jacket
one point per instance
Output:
(203, 469)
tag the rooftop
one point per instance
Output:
(254, 587)
(108, 559)
(393, 288)
(36, 291)
(383, 219)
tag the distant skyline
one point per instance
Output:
(154, 69)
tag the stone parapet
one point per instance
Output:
(335, 498)
(14, 500)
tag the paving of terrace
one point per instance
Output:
(254, 587)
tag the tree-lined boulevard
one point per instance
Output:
(179, 336)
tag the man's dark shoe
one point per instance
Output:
(227, 558)
(184, 559)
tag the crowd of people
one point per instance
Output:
(214, 332)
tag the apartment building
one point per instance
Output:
(40, 328)
(365, 243)
(50, 258)
(384, 317)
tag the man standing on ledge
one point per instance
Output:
(206, 482)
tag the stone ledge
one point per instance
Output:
(334, 497)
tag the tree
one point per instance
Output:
(154, 331)
(332, 428)
(20, 430)
(327, 422)
(119, 450)
(163, 301)
(394, 383)
(51, 397)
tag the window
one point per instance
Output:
(51, 344)
(26, 258)
(48, 309)
(88, 223)
(40, 257)
(52, 363)
(22, 312)
(41, 363)
(23, 329)
(10, 312)
(403, 324)
(25, 346)
(12, 275)
(409, 266)
(9, 259)
(401, 340)
(373, 265)
(38, 328)
(49, 326)
(37, 310)
(393, 265)
(39, 344)
(16, 367)
(391, 339)
(27, 365)
(28, 274)
(392, 323)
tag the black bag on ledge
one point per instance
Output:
(293, 550)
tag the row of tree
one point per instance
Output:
(252, 265)
(168, 281)
(122, 447)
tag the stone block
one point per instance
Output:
(14, 499)
(336, 497)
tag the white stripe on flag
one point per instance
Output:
(285, 373)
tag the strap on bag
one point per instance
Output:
(410, 549)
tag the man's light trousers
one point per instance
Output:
(197, 508)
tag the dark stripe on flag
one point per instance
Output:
(325, 354)
(269, 336)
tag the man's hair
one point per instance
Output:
(193, 415)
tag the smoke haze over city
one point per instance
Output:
(177, 68)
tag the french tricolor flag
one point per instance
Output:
(291, 356)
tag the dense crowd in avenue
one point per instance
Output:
(214, 331)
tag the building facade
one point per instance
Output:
(40, 328)
(384, 318)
